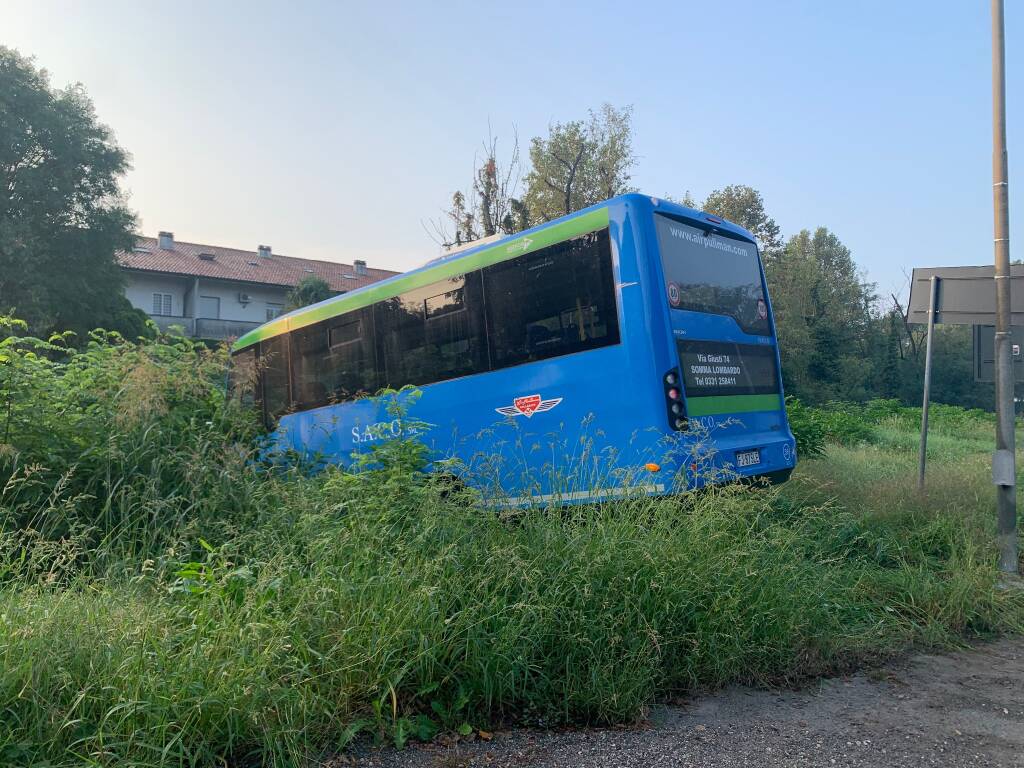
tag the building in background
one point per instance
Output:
(220, 293)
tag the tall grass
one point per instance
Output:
(166, 600)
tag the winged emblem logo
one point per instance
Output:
(528, 405)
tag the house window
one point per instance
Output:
(273, 310)
(161, 303)
(209, 307)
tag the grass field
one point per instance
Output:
(165, 601)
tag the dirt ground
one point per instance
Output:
(955, 709)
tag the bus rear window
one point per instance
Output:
(707, 272)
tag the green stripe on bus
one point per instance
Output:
(499, 252)
(706, 406)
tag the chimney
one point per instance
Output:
(360, 266)
(166, 241)
(264, 251)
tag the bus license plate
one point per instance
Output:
(748, 458)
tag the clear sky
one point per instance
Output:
(338, 130)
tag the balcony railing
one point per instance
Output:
(203, 327)
(166, 322)
(208, 328)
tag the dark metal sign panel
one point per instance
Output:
(966, 296)
(984, 353)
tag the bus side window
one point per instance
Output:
(333, 361)
(274, 369)
(556, 301)
(432, 333)
(400, 331)
(351, 357)
(454, 328)
(309, 355)
(242, 380)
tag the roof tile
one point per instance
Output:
(248, 266)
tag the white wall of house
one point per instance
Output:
(260, 298)
(140, 287)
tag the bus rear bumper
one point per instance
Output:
(750, 460)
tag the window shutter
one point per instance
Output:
(161, 303)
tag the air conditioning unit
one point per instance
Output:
(243, 298)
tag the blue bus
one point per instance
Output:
(628, 347)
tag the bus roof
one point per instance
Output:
(575, 224)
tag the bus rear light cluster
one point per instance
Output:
(674, 401)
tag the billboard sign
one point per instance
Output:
(966, 295)
(985, 357)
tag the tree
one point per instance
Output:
(611, 131)
(498, 209)
(823, 314)
(888, 369)
(744, 205)
(580, 163)
(789, 286)
(491, 207)
(62, 217)
(952, 372)
(310, 290)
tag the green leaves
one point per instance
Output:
(744, 205)
(62, 216)
(807, 428)
(310, 290)
(580, 163)
(112, 420)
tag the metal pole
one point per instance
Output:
(923, 452)
(1004, 471)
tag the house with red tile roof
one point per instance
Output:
(215, 293)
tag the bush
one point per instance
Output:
(879, 410)
(807, 427)
(813, 428)
(845, 423)
(117, 444)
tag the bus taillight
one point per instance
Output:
(674, 401)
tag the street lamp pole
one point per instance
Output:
(1003, 460)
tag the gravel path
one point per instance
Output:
(957, 709)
